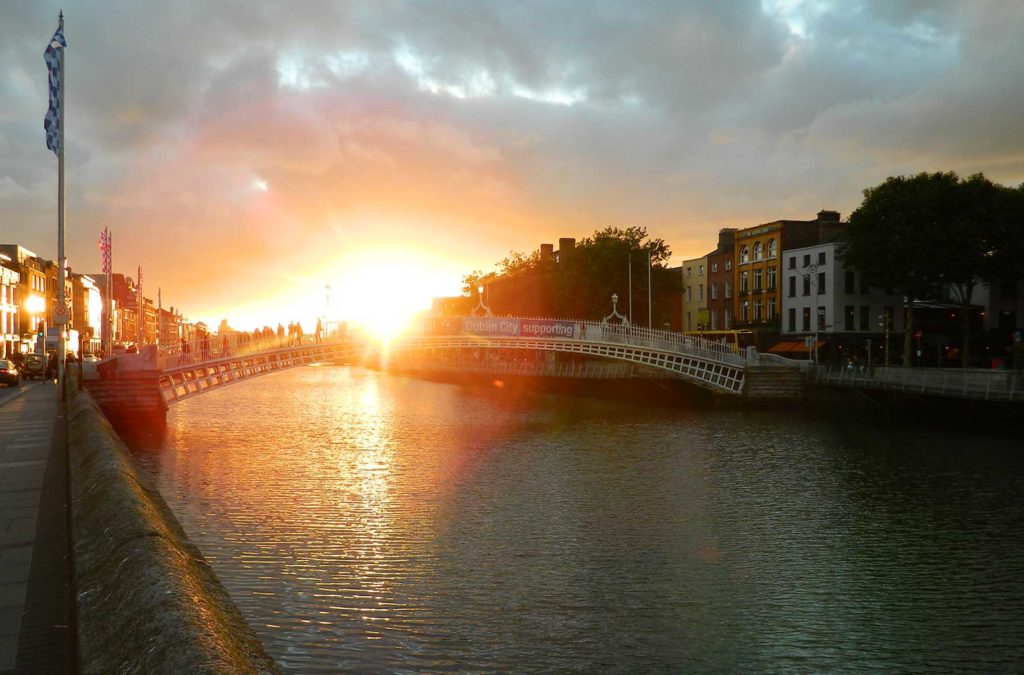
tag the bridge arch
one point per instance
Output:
(704, 365)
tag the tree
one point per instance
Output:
(580, 285)
(927, 232)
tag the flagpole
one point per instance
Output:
(110, 297)
(61, 262)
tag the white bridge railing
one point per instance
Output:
(216, 347)
(989, 385)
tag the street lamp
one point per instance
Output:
(885, 321)
(480, 305)
(808, 273)
(615, 312)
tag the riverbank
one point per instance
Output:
(814, 402)
(147, 600)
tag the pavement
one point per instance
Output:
(36, 591)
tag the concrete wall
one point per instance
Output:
(147, 601)
(773, 383)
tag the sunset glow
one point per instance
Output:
(246, 174)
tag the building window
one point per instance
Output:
(757, 311)
(806, 319)
(758, 251)
(791, 320)
(848, 317)
(689, 323)
(792, 287)
(792, 262)
(758, 278)
(744, 254)
(773, 274)
(744, 283)
(821, 283)
(714, 267)
(743, 312)
(714, 290)
(728, 290)
(807, 284)
(713, 315)
(689, 293)
(850, 282)
(773, 249)
(821, 257)
(700, 292)
(689, 272)
(700, 270)
(727, 319)
(771, 308)
(865, 317)
(728, 265)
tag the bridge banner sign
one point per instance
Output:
(547, 328)
(487, 326)
(441, 325)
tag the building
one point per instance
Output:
(757, 259)
(32, 296)
(721, 282)
(695, 306)
(10, 340)
(825, 301)
(87, 311)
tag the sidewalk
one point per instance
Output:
(35, 590)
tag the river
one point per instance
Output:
(370, 522)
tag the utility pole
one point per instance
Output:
(649, 268)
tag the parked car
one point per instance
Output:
(34, 366)
(8, 373)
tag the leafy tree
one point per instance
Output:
(580, 285)
(927, 232)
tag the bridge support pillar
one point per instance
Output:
(130, 399)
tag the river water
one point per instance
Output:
(370, 522)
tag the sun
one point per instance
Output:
(382, 293)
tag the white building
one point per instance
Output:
(821, 297)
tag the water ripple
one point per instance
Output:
(375, 523)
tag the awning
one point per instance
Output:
(793, 346)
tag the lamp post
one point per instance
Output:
(808, 273)
(615, 312)
(481, 306)
(885, 321)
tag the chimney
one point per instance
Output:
(726, 237)
(547, 251)
(566, 245)
(828, 216)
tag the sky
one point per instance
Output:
(250, 154)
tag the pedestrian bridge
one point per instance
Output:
(224, 360)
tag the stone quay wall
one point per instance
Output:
(147, 600)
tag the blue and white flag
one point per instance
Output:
(54, 58)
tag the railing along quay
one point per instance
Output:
(987, 385)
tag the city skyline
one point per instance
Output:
(246, 159)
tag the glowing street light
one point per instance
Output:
(35, 304)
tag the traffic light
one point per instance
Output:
(41, 329)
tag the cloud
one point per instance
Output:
(479, 127)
